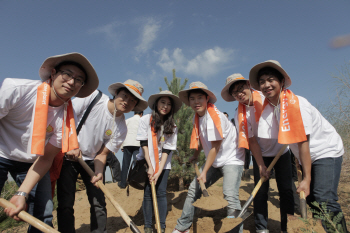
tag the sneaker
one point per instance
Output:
(121, 186)
(148, 230)
(177, 231)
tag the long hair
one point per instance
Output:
(168, 121)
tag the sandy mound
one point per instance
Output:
(215, 201)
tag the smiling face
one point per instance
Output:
(198, 102)
(124, 101)
(164, 105)
(241, 92)
(65, 88)
(270, 86)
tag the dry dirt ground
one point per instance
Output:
(205, 221)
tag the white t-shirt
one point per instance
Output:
(144, 133)
(324, 142)
(269, 147)
(132, 124)
(17, 101)
(97, 129)
(229, 153)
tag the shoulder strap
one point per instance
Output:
(88, 110)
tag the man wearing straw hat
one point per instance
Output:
(313, 140)
(103, 132)
(36, 121)
(216, 135)
(264, 150)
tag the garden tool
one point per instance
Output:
(155, 207)
(303, 209)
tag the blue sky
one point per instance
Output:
(202, 40)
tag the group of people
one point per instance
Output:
(43, 133)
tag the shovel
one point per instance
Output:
(29, 218)
(155, 206)
(125, 217)
(302, 193)
(205, 191)
(258, 185)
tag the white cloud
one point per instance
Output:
(205, 64)
(109, 31)
(149, 33)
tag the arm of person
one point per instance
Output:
(161, 167)
(39, 168)
(256, 150)
(195, 155)
(99, 164)
(215, 147)
(148, 160)
(305, 159)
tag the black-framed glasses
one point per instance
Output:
(67, 76)
(239, 90)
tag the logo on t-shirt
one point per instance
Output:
(108, 132)
(49, 129)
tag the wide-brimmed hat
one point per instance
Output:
(91, 82)
(135, 88)
(177, 102)
(229, 81)
(193, 86)
(253, 74)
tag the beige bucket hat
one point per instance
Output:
(135, 88)
(91, 82)
(177, 102)
(229, 81)
(253, 74)
(196, 85)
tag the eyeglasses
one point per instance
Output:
(69, 76)
(239, 90)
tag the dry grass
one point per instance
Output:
(344, 189)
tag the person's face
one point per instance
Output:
(198, 103)
(125, 101)
(64, 87)
(270, 86)
(164, 105)
(241, 92)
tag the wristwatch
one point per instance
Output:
(20, 193)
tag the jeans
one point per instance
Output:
(247, 158)
(114, 166)
(66, 186)
(147, 205)
(129, 151)
(39, 203)
(325, 174)
(232, 180)
(283, 169)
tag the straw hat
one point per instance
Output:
(135, 88)
(193, 86)
(177, 102)
(253, 74)
(91, 82)
(229, 81)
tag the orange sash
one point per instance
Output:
(155, 147)
(291, 127)
(242, 119)
(214, 114)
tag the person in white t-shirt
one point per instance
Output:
(264, 150)
(130, 146)
(32, 114)
(216, 135)
(103, 132)
(313, 140)
(157, 134)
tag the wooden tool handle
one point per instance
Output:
(303, 209)
(201, 183)
(274, 161)
(155, 207)
(29, 218)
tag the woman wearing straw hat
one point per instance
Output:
(264, 150)
(157, 134)
(32, 115)
(313, 140)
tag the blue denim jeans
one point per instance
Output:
(284, 180)
(232, 180)
(147, 205)
(66, 186)
(39, 203)
(129, 151)
(325, 174)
